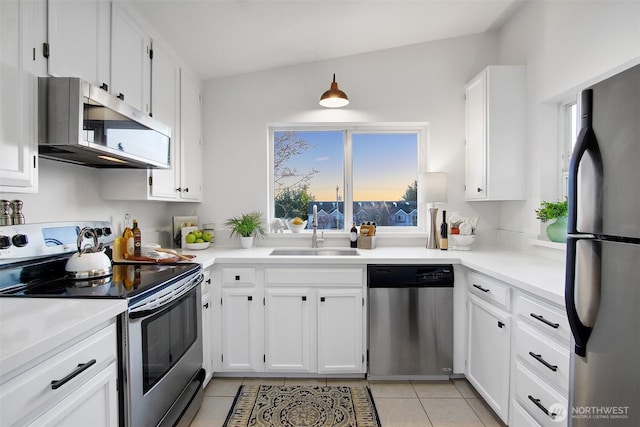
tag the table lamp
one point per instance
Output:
(433, 187)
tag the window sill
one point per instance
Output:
(548, 244)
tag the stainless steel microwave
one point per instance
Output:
(84, 124)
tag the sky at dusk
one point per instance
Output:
(384, 165)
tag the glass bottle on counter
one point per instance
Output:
(353, 235)
(137, 239)
(127, 236)
(444, 232)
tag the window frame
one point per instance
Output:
(419, 128)
(567, 139)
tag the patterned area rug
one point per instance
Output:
(303, 406)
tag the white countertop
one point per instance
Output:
(31, 327)
(539, 275)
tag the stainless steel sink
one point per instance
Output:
(316, 252)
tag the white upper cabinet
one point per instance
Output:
(176, 102)
(18, 102)
(79, 42)
(130, 60)
(190, 138)
(495, 134)
(165, 107)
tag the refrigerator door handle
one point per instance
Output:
(582, 288)
(586, 175)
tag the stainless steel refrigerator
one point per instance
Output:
(602, 288)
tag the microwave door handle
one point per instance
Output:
(582, 287)
(161, 303)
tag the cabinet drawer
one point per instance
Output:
(490, 289)
(544, 316)
(238, 275)
(520, 417)
(32, 392)
(540, 401)
(548, 359)
(314, 276)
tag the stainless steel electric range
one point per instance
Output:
(160, 335)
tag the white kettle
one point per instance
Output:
(90, 261)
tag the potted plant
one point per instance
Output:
(556, 231)
(246, 227)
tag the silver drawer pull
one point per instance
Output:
(55, 384)
(539, 358)
(536, 402)
(481, 288)
(545, 321)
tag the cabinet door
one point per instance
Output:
(242, 330)
(190, 138)
(130, 60)
(340, 334)
(18, 120)
(207, 337)
(79, 42)
(476, 138)
(165, 103)
(289, 334)
(96, 400)
(489, 354)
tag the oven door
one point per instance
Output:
(164, 351)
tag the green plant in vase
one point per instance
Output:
(556, 231)
(246, 227)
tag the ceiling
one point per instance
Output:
(220, 38)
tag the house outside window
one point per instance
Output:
(361, 174)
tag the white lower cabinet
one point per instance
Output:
(302, 320)
(242, 329)
(96, 400)
(488, 358)
(542, 402)
(518, 355)
(340, 330)
(207, 326)
(76, 384)
(290, 341)
(541, 361)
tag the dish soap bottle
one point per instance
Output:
(444, 232)
(137, 239)
(127, 237)
(353, 235)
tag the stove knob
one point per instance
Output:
(107, 231)
(98, 231)
(5, 242)
(20, 240)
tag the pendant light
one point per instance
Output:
(334, 97)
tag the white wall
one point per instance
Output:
(420, 83)
(72, 193)
(566, 46)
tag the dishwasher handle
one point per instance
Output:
(399, 285)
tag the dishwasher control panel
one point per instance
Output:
(396, 276)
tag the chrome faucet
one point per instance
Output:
(314, 225)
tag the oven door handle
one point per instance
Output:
(158, 304)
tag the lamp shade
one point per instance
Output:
(433, 187)
(334, 97)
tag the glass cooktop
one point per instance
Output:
(48, 279)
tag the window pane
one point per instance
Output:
(385, 174)
(308, 170)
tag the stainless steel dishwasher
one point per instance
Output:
(410, 321)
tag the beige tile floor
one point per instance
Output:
(400, 404)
